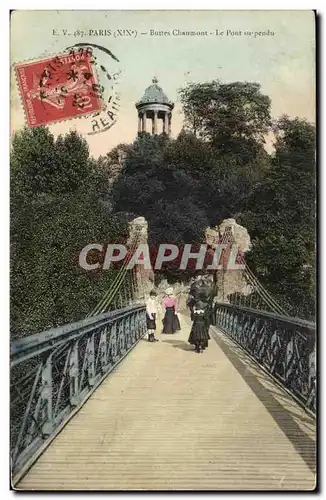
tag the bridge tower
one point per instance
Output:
(156, 106)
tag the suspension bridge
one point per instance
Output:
(94, 406)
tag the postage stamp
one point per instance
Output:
(59, 88)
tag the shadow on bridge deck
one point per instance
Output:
(171, 419)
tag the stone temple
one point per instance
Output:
(155, 106)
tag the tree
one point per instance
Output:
(149, 176)
(182, 186)
(33, 161)
(112, 163)
(177, 222)
(41, 165)
(218, 168)
(227, 113)
(56, 209)
(73, 167)
(281, 219)
(159, 184)
(231, 121)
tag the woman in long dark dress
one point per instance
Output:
(199, 335)
(202, 290)
(190, 304)
(171, 322)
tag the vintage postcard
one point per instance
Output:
(163, 250)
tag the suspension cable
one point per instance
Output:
(109, 295)
(265, 295)
(268, 298)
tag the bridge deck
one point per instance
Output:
(171, 419)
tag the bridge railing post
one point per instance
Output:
(90, 356)
(73, 375)
(104, 350)
(46, 396)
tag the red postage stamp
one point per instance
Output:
(58, 88)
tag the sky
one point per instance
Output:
(282, 60)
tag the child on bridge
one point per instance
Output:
(151, 311)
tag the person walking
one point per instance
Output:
(171, 322)
(202, 289)
(151, 312)
(199, 335)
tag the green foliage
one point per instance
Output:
(226, 113)
(61, 200)
(218, 168)
(112, 163)
(281, 220)
(232, 121)
(158, 183)
(56, 209)
(33, 161)
(177, 222)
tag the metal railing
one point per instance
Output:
(53, 373)
(283, 346)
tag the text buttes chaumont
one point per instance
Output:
(228, 32)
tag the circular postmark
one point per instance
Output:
(105, 64)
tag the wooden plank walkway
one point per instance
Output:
(171, 419)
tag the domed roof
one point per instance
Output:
(154, 93)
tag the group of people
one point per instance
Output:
(171, 323)
(199, 303)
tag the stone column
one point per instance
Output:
(230, 281)
(165, 123)
(139, 123)
(155, 123)
(144, 278)
(144, 121)
(170, 119)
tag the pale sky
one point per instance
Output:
(283, 63)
